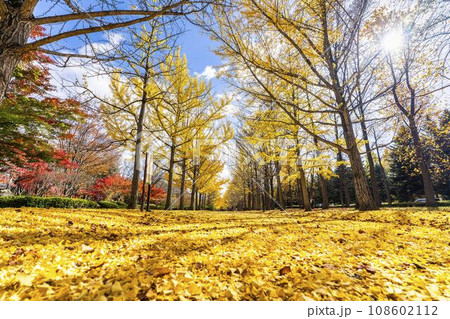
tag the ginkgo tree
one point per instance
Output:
(205, 163)
(415, 69)
(132, 90)
(184, 109)
(275, 47)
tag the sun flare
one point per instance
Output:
(392, 41)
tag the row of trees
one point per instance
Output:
(271, 180)
(322, 92)
(321, 75)
(157, 106)
(56, 147)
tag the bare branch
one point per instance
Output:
(163, 12)
(108, 13)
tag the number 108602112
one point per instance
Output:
(403, 310)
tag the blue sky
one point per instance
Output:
(198, 49)
(194, 43)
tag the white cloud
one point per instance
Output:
(210, 72)
(78, 70)
(110, 47)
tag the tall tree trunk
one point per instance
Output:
(244, 195)
(311, 187)
(303, 184)
(144, 182)
(383, 176)
(15, 26)
(254, 194)
(250, 195)
(343, 182)
(196, 200)
(300, 194)
(304, 189)
(272, 192)
(372, 173)
(183, 183)
(323, 182)
(289, 196)
(363, 196)
(426, 176)
(193, 188)
(280, 197)
(170, 180)
(258, 201)
(267, 199)
(410, 115)
(137, 160)
(138, 146)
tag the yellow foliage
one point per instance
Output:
(336, 254)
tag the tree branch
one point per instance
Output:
(76, 55)
(107, 13)
(36, 44)
(27, 7)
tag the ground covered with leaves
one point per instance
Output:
(88, 254)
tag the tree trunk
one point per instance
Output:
(258, 202)
(289, 196)
(138, 147)
(183, 183)
(304, 189)
(363, 195)
(323, 182)
(426, 176)
(280, 197)
(273, 203)
(144, 182)
(170, 180)
(267, 198)
(254, 195)
(343, 183)
(193, 188)
(250, 195)
(373, 179)
(303, 184)
(364, 199)
(383, 176)
(15, 32)
(137, 161)
(196, 200)
(299, 194)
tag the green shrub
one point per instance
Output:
(121, 204)
(106, 204)
(46, 202)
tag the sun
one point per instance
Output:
(392, 41)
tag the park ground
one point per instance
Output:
(337, 254)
